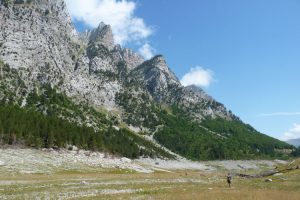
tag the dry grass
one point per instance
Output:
(122, 184)
(98, 183)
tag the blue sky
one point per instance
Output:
(249, 49)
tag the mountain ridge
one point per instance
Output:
(92, 71)
(295, 142)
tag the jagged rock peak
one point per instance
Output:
(103, 35)
(195, 88)
(128, 56)
(160, 62)
(198, 91)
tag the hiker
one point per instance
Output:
(228, 176)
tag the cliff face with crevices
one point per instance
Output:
(38, 39)
(37, 34)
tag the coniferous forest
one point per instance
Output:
(217, 139)
(30, 128)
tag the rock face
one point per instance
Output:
(159, 80)
(165, 87)
(103, 35)
(130, 58)
(194, 100)
(38, 39)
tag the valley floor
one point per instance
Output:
(36, 174)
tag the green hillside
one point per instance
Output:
(216, 139)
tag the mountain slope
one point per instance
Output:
(50, 119)
(88, 80)
(295, 142)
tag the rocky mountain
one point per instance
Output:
(88, 67)
(43, 52)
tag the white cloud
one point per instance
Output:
(198, 76)
(280, 114)
(117, 13)
(293, 133)
(147, 51)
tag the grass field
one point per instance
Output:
(122, 184)
(46, 175)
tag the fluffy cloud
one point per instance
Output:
(119, 14)
(147, 51)
(293, 133)
(198, 76)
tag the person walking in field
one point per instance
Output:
(228, 177)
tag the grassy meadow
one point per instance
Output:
(126, 184)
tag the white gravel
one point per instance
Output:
(242, 164)
(28, 161)
(180, 164)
